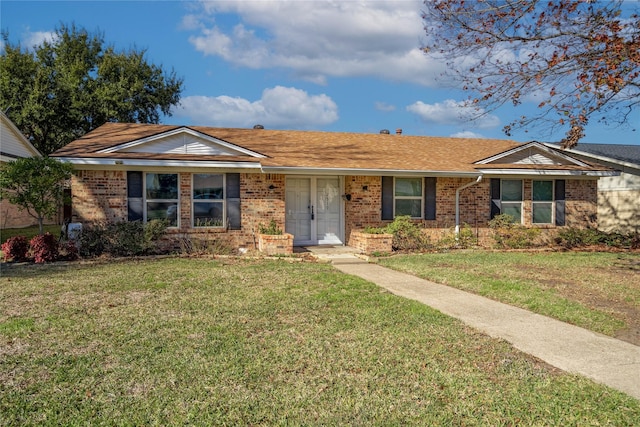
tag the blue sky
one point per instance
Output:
(353, 66)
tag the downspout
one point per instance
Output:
(469, 184)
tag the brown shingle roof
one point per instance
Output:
(306, 149)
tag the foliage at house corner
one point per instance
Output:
(35, 184)
(70, 85)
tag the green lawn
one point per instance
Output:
(595, 290)
(245, 342)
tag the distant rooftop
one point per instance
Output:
(625, 153)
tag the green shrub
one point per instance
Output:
(374, 230)
(508, 234)
(93, 241)
(121, 238)
(582, 237)
(407, 235)
(272, 228)
(126, 239)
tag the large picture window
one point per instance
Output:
(161, 196)
(511, 198)
(542, 202)
(208, 200)
(408, 197)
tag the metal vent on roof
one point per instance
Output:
(258, 127)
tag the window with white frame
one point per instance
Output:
(407, 194)
(161, 197)
(208, 200)
(542, 202)
(511, 198)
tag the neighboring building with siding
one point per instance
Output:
(618, 196)
(14, 145)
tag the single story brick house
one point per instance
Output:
(320, 186)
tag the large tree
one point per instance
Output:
(58, 91)
(578, 60)
(35, 184)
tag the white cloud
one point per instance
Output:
(383, 106)
(37, 38)
(278, 107)
(467, 134)
(451, 112)
(320, 39)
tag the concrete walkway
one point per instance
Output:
(573, 349)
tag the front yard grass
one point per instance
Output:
(599, 291)
(245, 342)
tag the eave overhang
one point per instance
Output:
(142, 163)
(549, 172)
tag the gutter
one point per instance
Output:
(457, 230)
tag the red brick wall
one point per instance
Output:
(102, 196)
(582, 203)
(99, 196)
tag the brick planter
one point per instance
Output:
(275, 244)
(369, 243)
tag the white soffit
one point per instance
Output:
(182, 141)
(532, 153)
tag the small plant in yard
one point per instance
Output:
(44, 248)
(583, 237)
(406, 234)
(375, 230)
(508, 234)
(16, 249)
(121, 238)
(463, 240)
(203, 245)
(272, 228)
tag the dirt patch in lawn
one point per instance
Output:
(595, 289)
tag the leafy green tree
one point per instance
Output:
(60, 90)
(35, 184)
(579, 60)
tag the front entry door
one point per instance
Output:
(314, 210)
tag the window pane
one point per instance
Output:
(543, 190)
(511, 190)
(411, 187)
(162, 186)
(542, 213)
(207, 214)
(513, 209)
(163, 210)
(408, 207)
(207, 186)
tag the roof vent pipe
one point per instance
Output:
(398, 131)
(258, 127)
(384, 132)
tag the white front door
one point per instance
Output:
(314, 210)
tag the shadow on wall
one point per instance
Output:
(619, 211)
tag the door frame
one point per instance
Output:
(314, 198)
